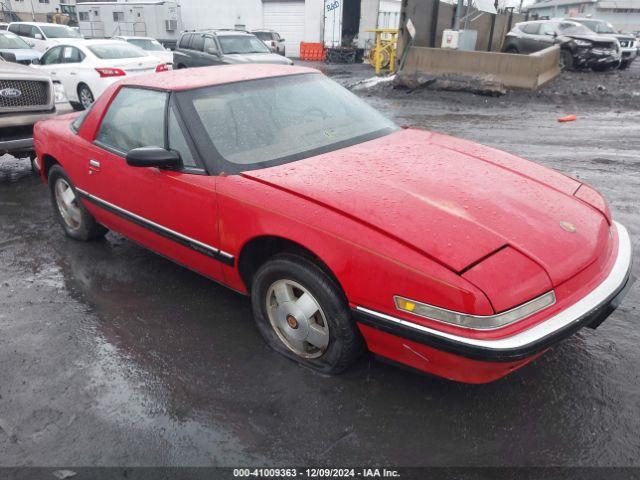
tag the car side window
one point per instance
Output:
(185, 40)
(71, 55)
(531, 28)
(35, 31)
(210, 45)
(178, 142)
(547, 29)
(14, 29)
(197, 43)
(134, 119)
(52, 57)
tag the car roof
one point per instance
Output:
(220, 32)
(40, 24)
(128, 37)
(176, 80)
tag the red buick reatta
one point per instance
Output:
(348, 232)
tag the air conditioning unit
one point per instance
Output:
(171, 25)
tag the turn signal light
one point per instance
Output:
(110, 72)
(163, 67)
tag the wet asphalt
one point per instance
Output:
(112, 355)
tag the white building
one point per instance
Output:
(330, 21)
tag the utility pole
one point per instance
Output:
(456, 21)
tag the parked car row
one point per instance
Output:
(584, 43)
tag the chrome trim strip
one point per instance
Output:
(614, 281)
(204, 246)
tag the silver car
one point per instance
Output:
(272, 40)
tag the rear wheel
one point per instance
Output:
(302, 314)
(85, 96)
(74, 218)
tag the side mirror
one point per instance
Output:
(282, 40)
(31, 44)
(38, 36)
(35, 61)
(152, 157)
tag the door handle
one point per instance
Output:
(94, 166)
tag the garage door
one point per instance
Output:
(286, 18)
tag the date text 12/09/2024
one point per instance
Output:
(315, 473)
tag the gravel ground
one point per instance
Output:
(112, 355)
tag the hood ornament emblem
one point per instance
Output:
(568, 226)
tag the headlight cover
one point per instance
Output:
(59, 93)
(476, 322)
(582, 43)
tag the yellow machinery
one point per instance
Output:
(383, 54)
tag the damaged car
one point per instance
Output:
(579, 46)
(347, 232)
(628, 42)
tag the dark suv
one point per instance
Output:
(580, 47)
(222, 47)
(628, 49)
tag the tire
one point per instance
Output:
(566, 60)
(511, 49)
(625, 64)
(181, 66)
(79, 225)
(343, 341)
(85, 95)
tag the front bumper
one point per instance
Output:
(16, 131)
(591, 310)
(628, 53)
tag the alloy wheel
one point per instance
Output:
(86, 97)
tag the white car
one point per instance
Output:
(87, 67)
(150, 45)
(42, 36)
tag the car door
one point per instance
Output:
(173, 212)
(279, 44)
(50, 63)
(530, 38)
(212, 53)
(68, 70)
(548, 35)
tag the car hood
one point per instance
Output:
(455, 201)
(22, 53)
(257, 58)
(593, 38)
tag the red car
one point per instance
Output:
(348, 232)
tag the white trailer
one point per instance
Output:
(159, 19)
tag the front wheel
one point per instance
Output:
(566, 60)
(302, 314)
(625, 64)
(74, 218)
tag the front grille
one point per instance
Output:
(33, 93)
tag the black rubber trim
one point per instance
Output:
(591, 319)
(159, 231)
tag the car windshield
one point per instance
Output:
(598, 27)
(265, 36)
(60, 31)
(231, 44)
(117, 50)
(147, 44)
(260, 123)
(573, 29)
(10, 41)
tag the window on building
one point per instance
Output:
(118, 16)
(83, 16)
